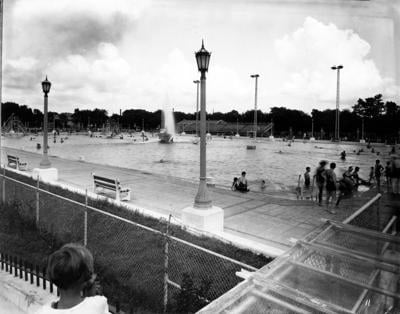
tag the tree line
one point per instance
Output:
(380, 119)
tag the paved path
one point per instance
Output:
(270, 218)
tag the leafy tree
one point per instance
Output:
(391, 109)
(371, 107)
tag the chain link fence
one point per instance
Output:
(141, 267)
(375, 215)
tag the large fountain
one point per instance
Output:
(167, 131)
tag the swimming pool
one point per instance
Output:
(273, 161)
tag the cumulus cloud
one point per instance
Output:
(74, 42)
(307, 54)
(51, 28)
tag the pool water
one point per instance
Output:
(274, 161)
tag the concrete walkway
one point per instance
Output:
(271, 219)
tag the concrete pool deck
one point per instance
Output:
(272, 219)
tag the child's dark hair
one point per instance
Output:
(70, 266)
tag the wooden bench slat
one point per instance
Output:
(106, 186)
(98, 178)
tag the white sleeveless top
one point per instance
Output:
(90, 305)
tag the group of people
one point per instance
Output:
(326, 180)
(391, 172)
(240, 184)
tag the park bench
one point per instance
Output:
(121, 194)
(13, 162)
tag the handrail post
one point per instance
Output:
(165, 304)
(378, 216)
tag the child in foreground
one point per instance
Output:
(71, 269)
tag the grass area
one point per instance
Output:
(129, 259)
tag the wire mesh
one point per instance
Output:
(375, 217)
(210, 274)
(129, 260)
(60, 219)
(353, 241)
(343, 266)
(24, 196)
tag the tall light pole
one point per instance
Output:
(256, 76)
(202, 199)
(337, 129)
(45, 163)
(197, 82)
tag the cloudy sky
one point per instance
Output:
(123, 54)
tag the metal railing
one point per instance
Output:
(374, 216)
(140, 266)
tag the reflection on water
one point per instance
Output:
(275, 162)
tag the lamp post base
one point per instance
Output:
(362, 141)
(45, 162)
(312, 139)
(271, 138)
(209, 220)
(48, 174)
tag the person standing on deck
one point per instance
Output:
(331, 186)
(378, 169)
(320, 179)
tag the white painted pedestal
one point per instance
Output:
(271, 138)
(312, 139)
(204, 219)
(48, 174)
(362, 141)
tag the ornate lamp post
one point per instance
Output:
(197, 82)
(203, 215)
(202, 199)
(337, 129)
(45, 163)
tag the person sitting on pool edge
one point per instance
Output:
(71, 269)
(235, 184)
(242, 186)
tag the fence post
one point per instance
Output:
(3, 190)
(26, 270)
(31, 272)
(37, 201)
(44, 277)
(10, 260)
(378, 216)
(20, 268)
(37, 276)
(166, 267)
(85, 221)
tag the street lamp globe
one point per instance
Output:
(337, 67)
(46, 86)
(203, 58)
